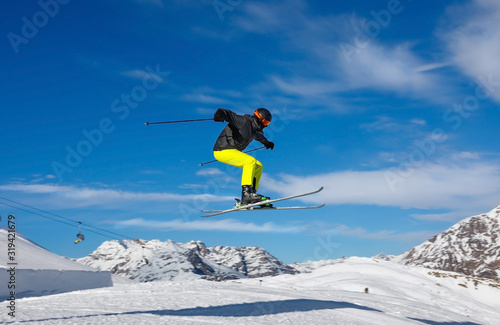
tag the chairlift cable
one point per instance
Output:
(64, 218)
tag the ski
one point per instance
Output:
(253, 205)
(266, 208)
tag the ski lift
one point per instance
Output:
(80, 236)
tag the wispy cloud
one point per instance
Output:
(472, 35)
(445, 217)
(210, 172)
(391, 68)
(73, 196)
(142, 74)
(313, 228)
(391, 235)
(227, 225)
(207, 95)
(324, 71)
(463, 185)
(152, 172)
(383, 123)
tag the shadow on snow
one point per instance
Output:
(430, 322)
(261, 308)
(233, 310)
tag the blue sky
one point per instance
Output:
(392, 106)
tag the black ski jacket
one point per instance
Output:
(240, 132)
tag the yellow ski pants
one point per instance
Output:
(252, 168)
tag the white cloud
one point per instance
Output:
(324, 73)
(445, 217)
(208, 95)
(463, 185)
(229, 225)
(209, 172)
(418, 121)
(472, 35)
(430, 67)
(393, 68)
(142, 74)
(72, 196)
(465, 155)
(390, 235)
(383, 123)
(152, 172)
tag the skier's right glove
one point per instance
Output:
(219, 115)
(269, 145)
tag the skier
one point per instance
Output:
(80, 237)
(234, 138)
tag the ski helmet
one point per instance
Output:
(263, 115)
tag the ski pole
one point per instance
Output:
(212, 161)
(181, 121)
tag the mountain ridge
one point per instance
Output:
(153, 260)
(470, 247)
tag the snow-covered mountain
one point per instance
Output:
(470, 247)
(155, 260)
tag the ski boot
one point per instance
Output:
(249, 196)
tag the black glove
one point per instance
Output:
(219, 115)
(269, 145)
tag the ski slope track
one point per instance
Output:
(350, 291)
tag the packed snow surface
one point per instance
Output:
(39, 272)
(33, 257)
(352, 291)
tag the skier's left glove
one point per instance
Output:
(219, 115)
(269, 145)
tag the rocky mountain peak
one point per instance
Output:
(470, 247)
(151, 260)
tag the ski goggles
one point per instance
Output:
(263, 120)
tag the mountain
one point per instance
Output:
(154, 260)
(470, 247)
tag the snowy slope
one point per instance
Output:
(470, 247)
(333, 294)
(40, 272)
(155, 260)
(32, 256)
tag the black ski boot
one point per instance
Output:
(249, 196)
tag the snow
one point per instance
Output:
(332, 294)
(379, 290)
(40, 272)
(32, 256)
